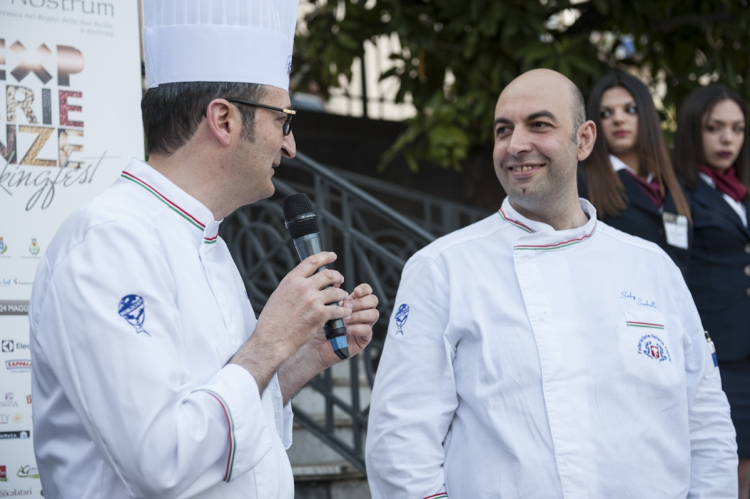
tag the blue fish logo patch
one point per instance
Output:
(133, 309)
(401, 315)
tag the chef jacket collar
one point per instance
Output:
(538, 236)
(192, 212)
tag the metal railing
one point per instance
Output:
(437, 215)
(373, 242)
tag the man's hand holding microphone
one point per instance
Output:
(289, 336)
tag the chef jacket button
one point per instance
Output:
(747, 248)
(747, 270)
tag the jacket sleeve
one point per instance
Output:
(161, 433)
(414, 398)
(713, 449)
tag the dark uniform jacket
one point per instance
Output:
(643, 219)
(720, 271)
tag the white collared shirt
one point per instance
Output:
(618, 164)
(736, 205)
(136, 309)
(524, 362)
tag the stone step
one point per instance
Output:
(319, 471)
(336, 480)
(332, 489)
(307, 449)
(339, 470)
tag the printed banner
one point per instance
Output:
(69, 123)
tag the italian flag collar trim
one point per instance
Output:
(515, 223)
(540, 247)
(563, 244)
(174, 206)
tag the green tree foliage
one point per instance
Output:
(484, 44)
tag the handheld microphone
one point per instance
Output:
(302, 222)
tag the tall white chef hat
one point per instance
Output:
(239, 41)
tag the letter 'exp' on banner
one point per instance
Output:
(70, 75)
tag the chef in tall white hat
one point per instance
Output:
(152, 376)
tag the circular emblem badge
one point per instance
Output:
(654, 348)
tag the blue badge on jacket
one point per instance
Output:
(133, 309)
(401, 315)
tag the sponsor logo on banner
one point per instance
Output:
(14, 346)
(14, 281)
(5, 435)
(14, 307)
(7, 418)
(3, 473)
(28, 399)
(15, 493)
(34, 247)
(18, 365)
(3, 246)
(8, 402)
(27, 471)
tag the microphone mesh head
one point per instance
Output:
(294, 206)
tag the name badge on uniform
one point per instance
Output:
(676, 229)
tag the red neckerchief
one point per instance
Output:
(652, 189)
(727, 182)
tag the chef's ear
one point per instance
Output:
(223, 120)
(586, 138)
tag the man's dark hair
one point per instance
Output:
(172, 111)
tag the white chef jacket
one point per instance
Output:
(524, 362)
(141, 403)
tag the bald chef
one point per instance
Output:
(540, 353)
(151, 376)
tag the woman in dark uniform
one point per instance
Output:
(628, 177)
(711, 157)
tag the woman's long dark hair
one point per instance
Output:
(688, 141)
(605, 190)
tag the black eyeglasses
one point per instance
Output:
(286, 127)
